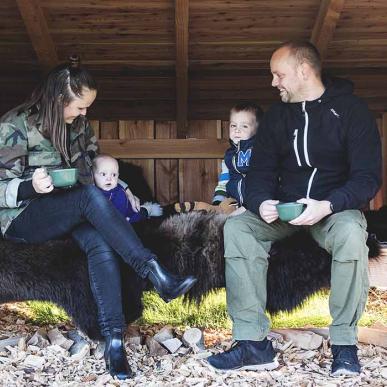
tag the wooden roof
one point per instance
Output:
(204, 54)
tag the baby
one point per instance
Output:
(230, 191)
(106, 172)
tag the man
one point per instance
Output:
(320, 146)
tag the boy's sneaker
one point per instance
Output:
(345, 361)
(246, 355)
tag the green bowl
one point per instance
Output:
(289, 211)
(64, 177)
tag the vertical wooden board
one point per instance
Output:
(378, 200)
(96, 127)
(136, 130)
(181, 44)
(198, 178)
(108, 130)
(225, 129)
(384, 152)
(166, 170)
(203, 129)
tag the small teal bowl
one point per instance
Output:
(64, 177)
(289, 211)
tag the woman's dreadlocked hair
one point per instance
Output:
(57, 90)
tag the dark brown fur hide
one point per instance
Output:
(190, 243)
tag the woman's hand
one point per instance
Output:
(41, 181)
(133, 200)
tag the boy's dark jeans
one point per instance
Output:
(100, 231)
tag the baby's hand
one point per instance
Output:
(154, 209)
(41, 181)
(133, 200)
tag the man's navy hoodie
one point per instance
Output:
(326, 149)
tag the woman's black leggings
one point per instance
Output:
(100, 231)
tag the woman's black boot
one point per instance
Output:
(167, 285)
(115, 356)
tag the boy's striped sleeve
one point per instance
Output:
(220, 190)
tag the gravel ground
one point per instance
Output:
(49, 362)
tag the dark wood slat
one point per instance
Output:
(139, 129)
(167, 181)
(198, 176)
(109, 130)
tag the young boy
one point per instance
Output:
(106, 172)
(230, 191)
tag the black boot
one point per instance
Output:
(167, 285)
(115, 356)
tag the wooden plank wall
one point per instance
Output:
(185, 169)
(182, 178)
(381, 196)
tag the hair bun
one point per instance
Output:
(75, 61)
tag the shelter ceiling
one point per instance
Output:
(131, 47)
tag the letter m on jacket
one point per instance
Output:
(244, 158)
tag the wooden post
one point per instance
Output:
(181, 24)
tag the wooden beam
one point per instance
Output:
(325, 24)
(37, 29)
(181, 26)
(165, 148)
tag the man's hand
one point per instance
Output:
(268, 210)
(133, 200)
(315, 210)
(41, 181)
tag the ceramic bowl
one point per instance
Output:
(64, 177)
(289, 211)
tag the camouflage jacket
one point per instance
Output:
(23, 148)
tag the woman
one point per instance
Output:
(50, 131)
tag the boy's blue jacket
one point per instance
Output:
(326, 149)
(237, 160)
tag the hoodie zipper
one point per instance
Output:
(240, 191)
(306, 127)
(295, 134)
(239, 186)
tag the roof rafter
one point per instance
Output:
(325, 24)
(181, 25)
(37, 29)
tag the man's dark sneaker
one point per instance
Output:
(246, 355)
(345, 361)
